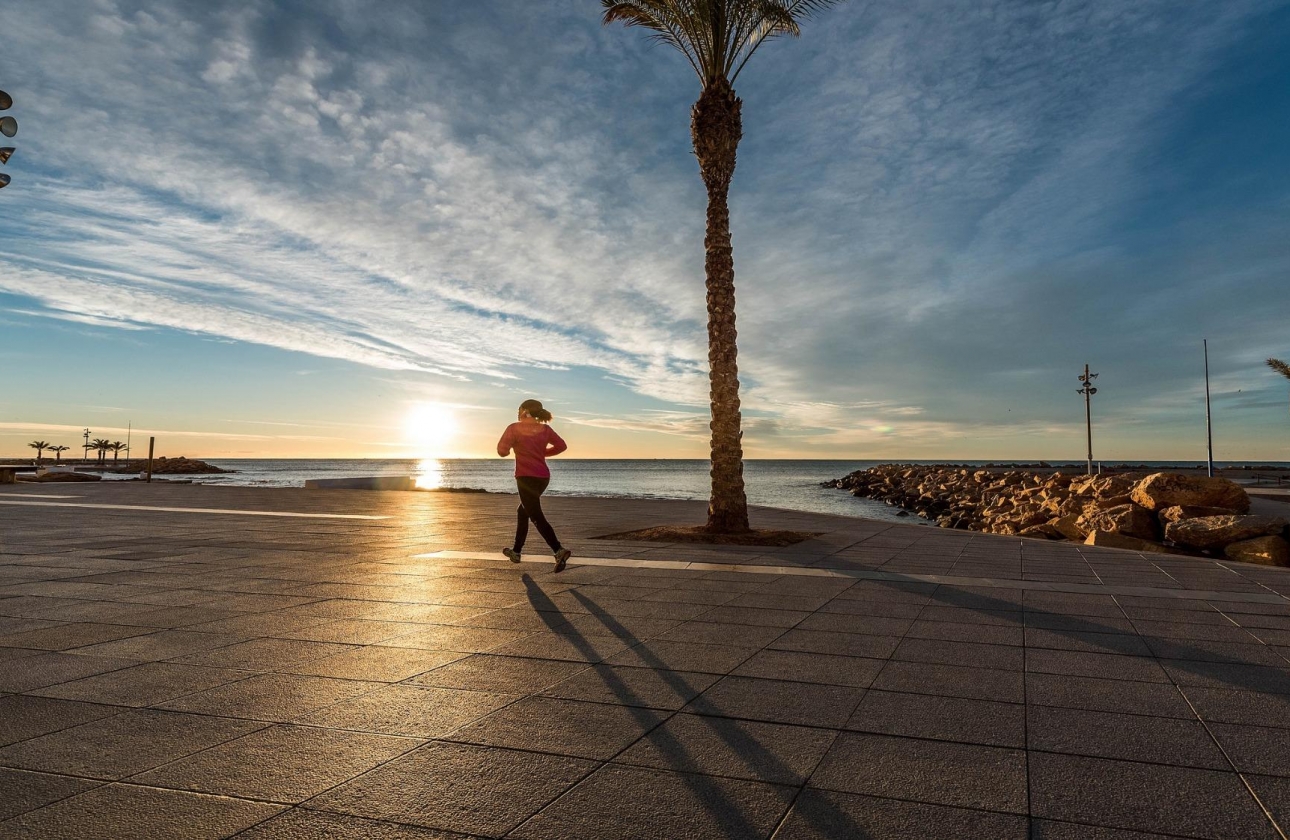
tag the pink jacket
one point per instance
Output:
(533, 444)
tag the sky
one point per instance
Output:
(370, 228)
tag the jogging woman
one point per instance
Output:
(533, 441)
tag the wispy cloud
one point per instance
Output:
(932, 210)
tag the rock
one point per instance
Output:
(1219, 531)
(1044, 531)
(1129, 520)
(1269, 551)
(1106, 539)
(1162, 490)
(1067, 526)
(57, 477)
(1177, 512)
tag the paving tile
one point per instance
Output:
(375, 662)
(941, 718)
(757, 617)
(143, 685)
(43, 669)
(1117, 643)
(950, 631)
(1228, 675)
(464, 639)
(1053, 830)
(742, 749)
(1130, 737)
(1248, 707)
(123, 744)
(457, 787)
(778, 701)
(70, 635)
(1099, 695)
(1274, 793)
(1144, 797)
(715, 633)
(299, 823)
(820, 668)
(264, 654)
(642, 804)
(952, 681)
(565, 727)
(838, 644)
(1078, 624)
(117, 811)
(585, 649)
(1204, 651)
(845, 623)
(504, 674)
(409, 710)
(29, 717)
(22, 790)
(998, 657)
(164, 644)
(826, 815)
(939, 772)
(272, 697)
(279, 763)
(1081, 664)
(683, 656)
(629, 686)
(1255, 749)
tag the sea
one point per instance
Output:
(788, 484)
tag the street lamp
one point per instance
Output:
(1088, 391)
(8, 127)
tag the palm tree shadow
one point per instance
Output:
(824, 816)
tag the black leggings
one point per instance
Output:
(531, 490)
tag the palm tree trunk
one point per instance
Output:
(716, 127)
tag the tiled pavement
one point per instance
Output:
(208, 674)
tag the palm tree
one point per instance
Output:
(58, 452)
(116, 446)
(102, 445)
(40, 446)
(718, 37)
(1280, 367)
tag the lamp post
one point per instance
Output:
(8, 127)
(1209, 425)
(1088, 391)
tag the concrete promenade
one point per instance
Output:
(199, 662)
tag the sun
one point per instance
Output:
(430, 429)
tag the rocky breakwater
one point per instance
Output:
(1161, 512)
(171, 466)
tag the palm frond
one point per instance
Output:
(717, 37)
(1280, 367)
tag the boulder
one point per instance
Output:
(1129, 520)
(1107, 539)
(1269, 551)
(1219, 531)
(1177, 512)
(1067, 526)
(1043, 531)
(1162, 490)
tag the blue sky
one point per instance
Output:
(280, 228)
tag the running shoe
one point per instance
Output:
(511, 554)
(561, 557)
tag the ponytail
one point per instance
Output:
(535, 410)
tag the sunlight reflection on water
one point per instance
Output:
(429, 474)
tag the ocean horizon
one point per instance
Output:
(791, 484)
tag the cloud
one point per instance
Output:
(939, 210)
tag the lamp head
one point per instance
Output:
(8, 126)
(6, 101)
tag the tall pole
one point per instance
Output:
(85, 450)
(1209, 426)
(1088, 391)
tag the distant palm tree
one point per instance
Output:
(117, 447)
(58, 452)
(101, 445)
(40, 446)
(718, 37)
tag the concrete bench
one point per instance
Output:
(9, 472)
